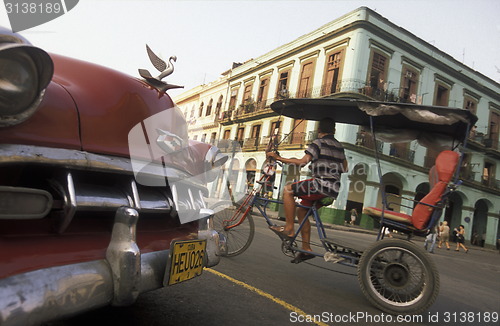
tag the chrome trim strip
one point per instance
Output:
(66, 188)
(71, 207)
(35, 203)
(173, 189)
(71, 158)
(204, 204)
(135, 194)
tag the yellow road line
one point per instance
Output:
(264, 294)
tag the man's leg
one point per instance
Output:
(306, 229)
(289, 206)
(433, 242)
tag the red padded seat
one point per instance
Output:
(440, 176)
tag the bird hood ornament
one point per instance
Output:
(165, 69)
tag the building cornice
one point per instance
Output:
(392, 38)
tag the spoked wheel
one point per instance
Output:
(239, 238)
(398, 277)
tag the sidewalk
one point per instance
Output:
(358, 229)
(355, 228)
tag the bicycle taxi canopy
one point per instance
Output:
(436, 127)
(393, 121)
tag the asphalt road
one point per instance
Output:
(262, 287)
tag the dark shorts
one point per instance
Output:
(308, 191)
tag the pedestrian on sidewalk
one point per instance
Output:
(461, 238)
(444, 235)
(354, 216)
(431, 238)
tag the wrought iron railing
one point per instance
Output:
(342, 86)
(250, 143)
(404, 154)
(483, 139)
(365, 139)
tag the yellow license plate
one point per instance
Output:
(186, 260)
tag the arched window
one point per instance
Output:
(200, 110)
(219, 105)
(209, 108)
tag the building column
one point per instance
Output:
(371, 194)
(467, 219)
(491, 229)
(341, 201)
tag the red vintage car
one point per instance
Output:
(101, 192)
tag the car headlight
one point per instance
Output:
(25, 72)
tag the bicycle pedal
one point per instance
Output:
(331, 257)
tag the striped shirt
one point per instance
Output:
(327, 163)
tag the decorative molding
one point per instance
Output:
(289, 64)
(265, 73)
(309, 55)
(343, 42)
(249, 80)
(233, 86)
(444, 80)
(494, 106)
(471, 94)
(412, 63)
(381, 47)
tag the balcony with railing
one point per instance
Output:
(351, 86)
(490, 182)
(298, 140)
(485, 140)
(250, 144)
(347, 87)
(264, 141)
(405, 154)
(468, 175)
(365, 139)
(250, 110)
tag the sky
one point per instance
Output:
(208, 36)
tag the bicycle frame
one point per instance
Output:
(350, 256)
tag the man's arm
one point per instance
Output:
(344, 165)
(295, 161)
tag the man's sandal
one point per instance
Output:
(280, 231)
(302, 256)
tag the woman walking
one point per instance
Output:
(461, 238)
(444, 235)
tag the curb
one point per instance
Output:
(357, 229)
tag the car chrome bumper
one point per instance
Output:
(39, 296)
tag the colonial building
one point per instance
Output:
(359, 55)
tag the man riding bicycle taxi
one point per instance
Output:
(328, 162)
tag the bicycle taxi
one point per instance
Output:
(394, 274)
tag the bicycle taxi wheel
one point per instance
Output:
(239, 237)
(398, 277)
